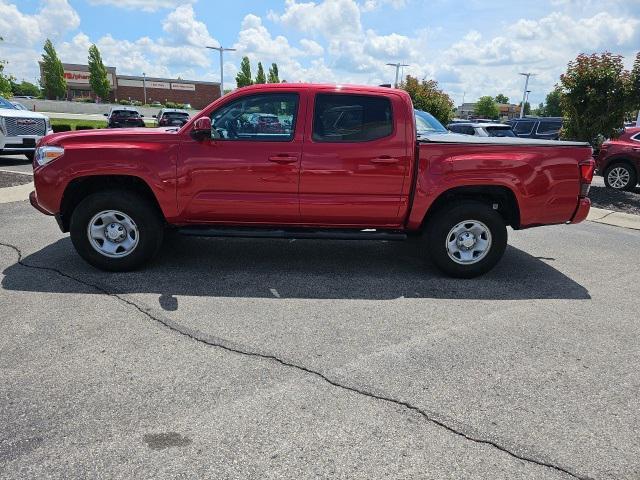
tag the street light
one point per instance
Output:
(144, 87)
(398, 66)
(221, 49)
(524, 94)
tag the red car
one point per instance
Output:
(350, 165)
(619, 160)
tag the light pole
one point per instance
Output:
(221, 49)
(398, 66)
(144, 87)
(524, 93)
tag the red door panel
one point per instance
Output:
(353, 183)
(246, 177)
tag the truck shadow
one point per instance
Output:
(293, 269)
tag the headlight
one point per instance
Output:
(47, 154)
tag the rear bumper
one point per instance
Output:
(582, 211)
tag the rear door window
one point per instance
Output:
(500, 132)
(548, 127)
(523, 128)
(351, 118)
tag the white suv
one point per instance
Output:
(20, 130)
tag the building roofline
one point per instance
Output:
(158, 79)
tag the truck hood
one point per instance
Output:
(8, 112)
(513, 141)
(108, 135)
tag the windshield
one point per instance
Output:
(500, 132)
(425, 122)
(125, 113)
(6, 104)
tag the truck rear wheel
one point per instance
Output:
(116, 230)
(467, 239)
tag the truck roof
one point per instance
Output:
(318, 86)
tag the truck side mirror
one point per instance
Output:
(201, 128)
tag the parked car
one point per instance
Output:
(483, 129)
(20, 130)
(124, 117)
(543, 128)
(427, 123)
(618, 160)
(171, 117)
(264, 123)
(350, 167)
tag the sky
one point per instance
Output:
(471, 47)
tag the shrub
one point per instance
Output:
(84, 127)
(61, 128)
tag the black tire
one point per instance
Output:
(630, 174)
(442, 223)
(147, 219)
(30, 156)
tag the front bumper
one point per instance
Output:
(21, 143)
(582, 211)
(33, 200)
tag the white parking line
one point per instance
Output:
(14, 171)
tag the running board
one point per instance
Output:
(329, 234)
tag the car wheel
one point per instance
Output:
(620, 176)
(467, 239)
(116, 230)
(30, 156)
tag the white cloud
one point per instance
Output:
(183, 28)
(146, 5)
(311, 48)
(329, 17)
(53, 20)
(370, 5)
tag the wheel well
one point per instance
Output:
(503, 197)
(80, 188)
(626, 161)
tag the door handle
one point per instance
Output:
(385, 160)
(283, 159)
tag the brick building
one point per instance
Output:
(126, 87)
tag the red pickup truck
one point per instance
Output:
(345, 162)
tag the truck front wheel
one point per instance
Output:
(116, 230)
(466, 239)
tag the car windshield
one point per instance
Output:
(500, 131)
(176, 115)
(6, 104)
(126, 113)
(427, 123)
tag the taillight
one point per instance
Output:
(587, 168)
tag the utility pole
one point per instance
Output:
(221, 49)
(144, 87)
(524, 93)
(397, 66)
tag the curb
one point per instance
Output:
(617, 219)
(18, 193)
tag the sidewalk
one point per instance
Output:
(618, 219)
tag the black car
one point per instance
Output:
(124, 117)
(543, 128)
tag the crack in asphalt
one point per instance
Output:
(197, 336)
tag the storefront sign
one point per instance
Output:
(183, 86)
(74, 77)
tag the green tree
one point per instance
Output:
(5, 81)
(52, 82)
(527, 107)
(260, 76)
(486, 107)
(98, 74)
(273, 74)
(500, 98)
(634, 93)
(553, 107)
(539, 111)
(25, 88)
(595, 94)
(243, 78)
(427, 96)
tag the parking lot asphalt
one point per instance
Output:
(231, 358)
